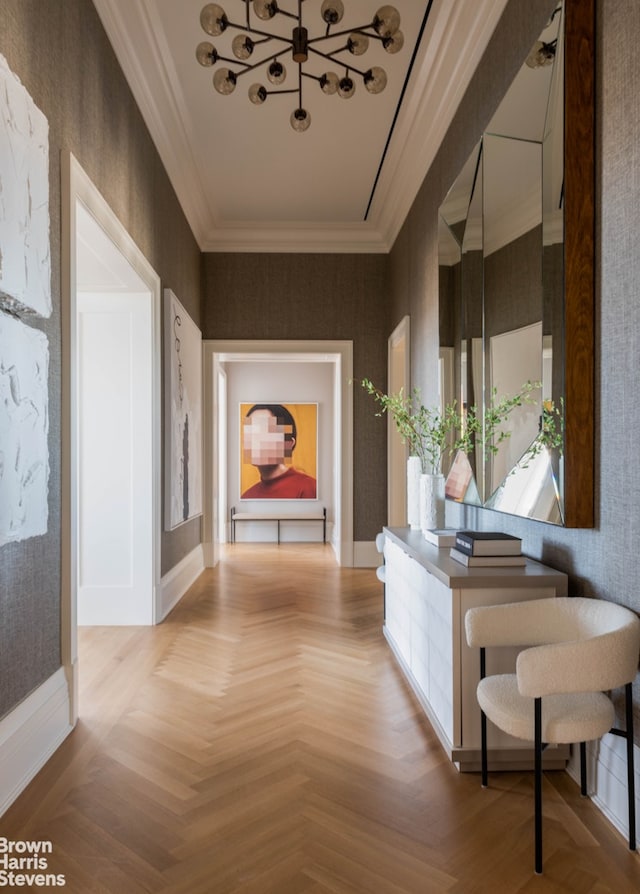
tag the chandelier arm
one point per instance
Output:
(276, 92)
(257, 64)
(340, 62)
(360, 29)
(284, 12)
(265, 34)
(307, 74)
(235, 61)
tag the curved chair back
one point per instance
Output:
(577, 644)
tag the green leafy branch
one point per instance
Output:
(486, 427)
(428, 431)
(425, 430)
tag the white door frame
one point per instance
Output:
(399, 376)
(76, 186)
(340, 353)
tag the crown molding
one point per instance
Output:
(304, 238)
(456, 37)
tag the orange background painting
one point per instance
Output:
(305, 454)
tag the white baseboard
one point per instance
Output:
(31, 733)
(365, 554)
(607, 778)
(209, 552)
(176, 582)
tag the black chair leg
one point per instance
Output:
(483, 726)
(538, 785)
(630, 768)
(485, 772)
(583, 769)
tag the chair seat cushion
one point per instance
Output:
(571, 717)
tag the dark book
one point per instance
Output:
(486, 561)
(488, 543)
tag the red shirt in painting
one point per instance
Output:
(293, 485)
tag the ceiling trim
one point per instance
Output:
(455, 38)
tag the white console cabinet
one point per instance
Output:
(426, 597)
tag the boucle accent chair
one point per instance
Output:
(576, 650)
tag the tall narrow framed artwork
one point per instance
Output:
(278, 451)
(25, 257)
(24, 429)
(25, 290)
(183, 414)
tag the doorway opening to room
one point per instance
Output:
(111, 452)
(315, 376)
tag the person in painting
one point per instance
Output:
(268, 440)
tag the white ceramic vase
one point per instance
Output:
(414, 471)
(431, 501)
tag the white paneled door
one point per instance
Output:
(115, 484)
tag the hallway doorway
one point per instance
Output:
(114, 429)
(111, 482)
(218, 356)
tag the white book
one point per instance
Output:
(441, 536)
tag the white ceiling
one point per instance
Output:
(245, 179)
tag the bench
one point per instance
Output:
(274, 516)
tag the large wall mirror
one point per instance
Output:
(516, 257)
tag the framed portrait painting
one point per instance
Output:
(183, 414)
(278, 451)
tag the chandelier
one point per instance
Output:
(384, 27)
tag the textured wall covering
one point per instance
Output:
(605, 561)
(280, 296)
(61, 54)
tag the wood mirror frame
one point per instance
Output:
(579, 297)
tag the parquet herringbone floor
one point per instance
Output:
(262, 741)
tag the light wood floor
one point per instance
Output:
(262, 741)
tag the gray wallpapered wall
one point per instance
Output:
(75, 80)
(62, 56)
(315, 296)
(604, 561)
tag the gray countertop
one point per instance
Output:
(438, 562)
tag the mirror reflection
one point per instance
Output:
(501, 294)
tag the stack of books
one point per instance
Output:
(486, 548)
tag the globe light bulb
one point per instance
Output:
(265, 9)
(242, 46)
(375, 80)
(346, 87)
(386, 21)
(332, 11)
(393, 44)
(224, 81)
(329, 83)
(213, 19)
(300, 120)
(357, 44)
(276, 72)
(206, 53)
(257, 94)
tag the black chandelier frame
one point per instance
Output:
(384, 27)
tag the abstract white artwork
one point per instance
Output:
(183, 414)
(25, 260)
(24, 426)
